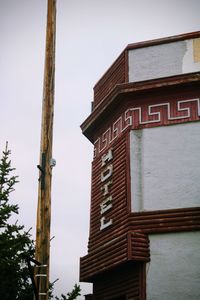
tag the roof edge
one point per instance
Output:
(119, 90)
(147, 43)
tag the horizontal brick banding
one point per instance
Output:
(118, 190)
(112, 246)
(172, 220)
(115, 75)
(111, 285)
(138, 247)
(134, 246)
(103, 258)
(131, 246)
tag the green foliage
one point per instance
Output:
(16, 244)
(71, 296)
(14, 241)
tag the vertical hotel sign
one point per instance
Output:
(126, 104)
(106, 182)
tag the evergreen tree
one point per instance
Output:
(15, 242)
(71, 296)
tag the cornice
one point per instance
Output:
(113, 99)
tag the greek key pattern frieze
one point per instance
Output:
(135, 117)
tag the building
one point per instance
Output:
(144, 240)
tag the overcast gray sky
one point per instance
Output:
(90, 36)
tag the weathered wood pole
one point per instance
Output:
(44, 188)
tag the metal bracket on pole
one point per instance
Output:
(42, 170)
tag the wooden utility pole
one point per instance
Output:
(46, 162)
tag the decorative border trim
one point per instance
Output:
(136, 116)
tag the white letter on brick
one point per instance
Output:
(106, 173)
(105, 187)
(106, 157)
(106, 204)
(105, 224)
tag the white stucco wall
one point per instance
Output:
(164, 60)
(174, 272)
(165, 167)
